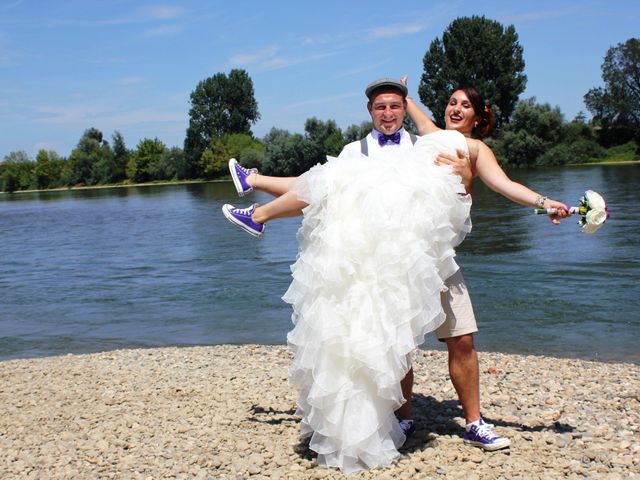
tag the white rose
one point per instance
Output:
(594, 200)
(594, 220)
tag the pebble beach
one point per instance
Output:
(228, 412)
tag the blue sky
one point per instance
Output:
(130, 66)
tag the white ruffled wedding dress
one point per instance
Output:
(376, 245)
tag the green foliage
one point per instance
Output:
(474, 51)
(220, 105)
(92, 160)
(538, 135)
(170, 165)
(284, 153)
(353, 133)
(321, 139)
(578, 151)
(143, 161)
(618, 103)
(214, 160)
(120, 158)
(49, 170)
(244, 148)
(534, 128)
(16, 172)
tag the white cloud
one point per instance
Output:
(259, 56)
(163, 12)
(395, 30)
(127, 81)
(163, 31)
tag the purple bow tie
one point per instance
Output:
(384, 139)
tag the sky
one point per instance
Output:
(130, 66)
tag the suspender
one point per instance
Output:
(364, 148)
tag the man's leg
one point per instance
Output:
(405, 412)
(465, 374)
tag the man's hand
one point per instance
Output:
(461, 166)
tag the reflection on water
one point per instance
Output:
(108, 268)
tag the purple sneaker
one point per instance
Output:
(242, 218)
(408, 427)
(482, 436)
(239, 174)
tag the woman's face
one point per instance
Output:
(459, 114)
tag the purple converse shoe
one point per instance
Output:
(408, 427)
(239, 174)
(242, 218)
(482, 436)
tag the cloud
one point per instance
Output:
(127, 81)
(535, 16)
(163, 12)
(267, 59)
(396, 30)
(247, 59)
(163, 31)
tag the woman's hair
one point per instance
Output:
(481, 108)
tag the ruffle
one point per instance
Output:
(376, 245)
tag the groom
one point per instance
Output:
(387, 106)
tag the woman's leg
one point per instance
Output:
(286, 205)
(275, 186)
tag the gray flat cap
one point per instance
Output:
(386, 83)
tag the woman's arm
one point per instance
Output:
(496, 179)
(420, 119)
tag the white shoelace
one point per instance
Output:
(245, 211)
(484, 430)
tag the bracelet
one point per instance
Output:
(539, 201)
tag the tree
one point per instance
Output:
(247, 150)
(321, 139)
(169, 166)
(143, 160)
(120, 158)
(284, 153)
(48, 170)
(17, 172)
(618, 103)
(220, 105)
(89, 160)
(533, 129)
(474, 51)
(355, 132)
(213, 160)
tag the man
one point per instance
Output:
(387, 106)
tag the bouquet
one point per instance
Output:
(592, 210)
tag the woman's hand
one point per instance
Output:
(460, 165)
(563, 210)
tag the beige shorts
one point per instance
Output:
(458, 309)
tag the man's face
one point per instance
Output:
(387, 110)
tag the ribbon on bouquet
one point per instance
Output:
(592, 210)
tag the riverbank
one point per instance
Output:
(227, 412)
(120, 185)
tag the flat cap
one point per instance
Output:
(386, 83)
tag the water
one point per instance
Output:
(94, 270)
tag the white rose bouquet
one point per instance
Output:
(592, 210)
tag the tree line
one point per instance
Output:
(472, 50)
